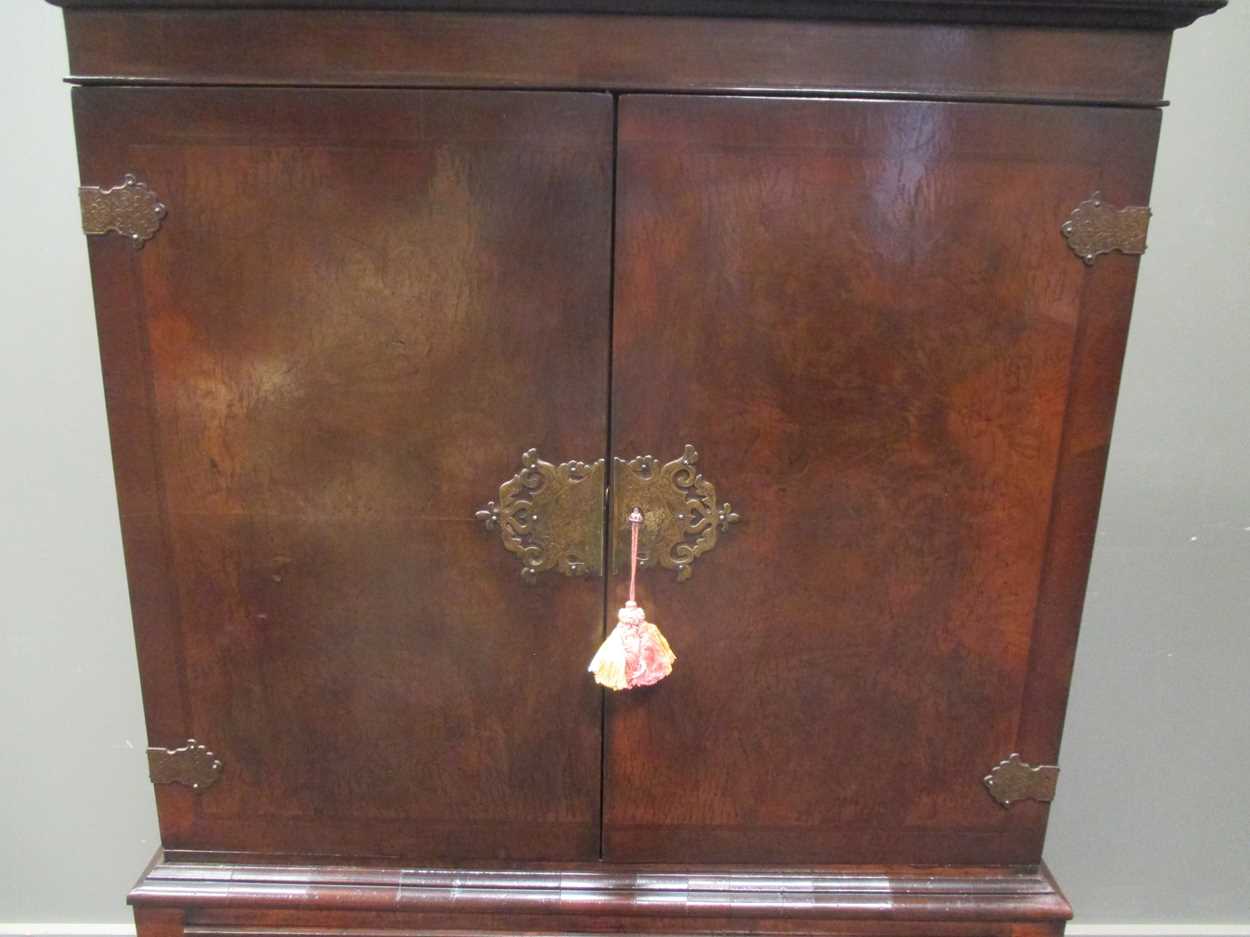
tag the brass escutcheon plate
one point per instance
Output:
(681, 517)
(552, 516)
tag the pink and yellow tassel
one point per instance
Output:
(635, 653)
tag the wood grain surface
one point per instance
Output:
(864, 317)
(362, 307)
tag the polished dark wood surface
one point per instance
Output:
(1137, 14)
(395, 48)
(362, 307)
(863, 315)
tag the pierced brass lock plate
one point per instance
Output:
(681, 517)
(551, 516)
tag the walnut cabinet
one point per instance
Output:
(401, 303)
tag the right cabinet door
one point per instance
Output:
(866, 318)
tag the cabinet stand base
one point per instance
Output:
(254, 897)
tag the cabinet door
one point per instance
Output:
(864, 316)
(361, 307)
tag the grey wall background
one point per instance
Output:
(1152, 823)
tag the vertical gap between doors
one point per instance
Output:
(607, 525)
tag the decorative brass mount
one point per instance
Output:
(552, 516)
(1095, 227)
(192, 765)
(131, 209)
(681, 517)
(1014, 779)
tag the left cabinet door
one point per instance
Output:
(361, 306)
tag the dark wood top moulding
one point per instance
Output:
(1122, 14)
(626, 54)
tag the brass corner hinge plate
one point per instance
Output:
(682, 517)
(130, 209)
(1094, 228)
(551, 516)
(1014, 779)
(192, 765)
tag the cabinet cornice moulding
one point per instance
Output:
(448, 49)
(1131, 14)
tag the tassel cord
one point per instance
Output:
(635, 521)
